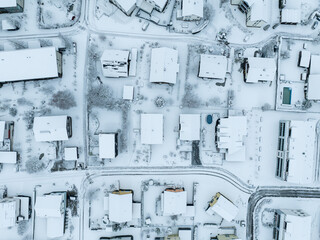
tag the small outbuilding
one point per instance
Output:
(164, 65)
(191, 10)
(126, 6)
(120, 206)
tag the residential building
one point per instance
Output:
(52, 128)
(128, 92)
(164, 65)
(151, 128)
(296, 150)
(304, 59)
(257, 14)
(149, 5)
(313, 83)
(230, 137)
(71, 154)
(108, 145)
(189, 127)
(30, 64)
(213, 66)
(191, 10)
(291, 225)
(8, 157)
(120, 208)
(174, 202)
(11, 6)
(223, 207)
(52, 207)
(258, 69)
(126, 6)
(13, 210)
(290, 11)
(119, 63)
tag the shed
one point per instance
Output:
(126, 6)
(9, 211)
(192, 10)
(304, 59)
(108, 145)
(313, 86)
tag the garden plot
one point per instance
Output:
(22, 101)
(59, 14)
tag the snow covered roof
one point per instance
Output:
(313, 87)
(223, 207)
(50, 128)
(289, 15)
(151, 128)
(301, 151)
(126, 5)
(55, 227)
(115, 63)
(26, 64)
(213, 66)
(8, 157)
(231, 132)
(298, 224)
(185, 234)
(304, 59)
(2, 128)
(190, 127)
(8, 3)
(314, 65)
(164, 65)
(50, 206)
(107, 145)
(192, 8)
(127, 92)
(174, 202)
(257, 11)
(70, 153)
(120, 207)
(8, 212)
(260, 69)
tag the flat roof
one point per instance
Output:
(213, 66)
(231, 133)
(107, 145)
(50, 128)
(261, 69)
(164, 65)
(120, 207)
(314, 65)
(8, 157)
(49, 206)
(27, 64)
(192, 7)
(290, 15)
(174, 203)
(8, 3)
(190, 127)
(127, 5)
(151, 128)
(313, 86)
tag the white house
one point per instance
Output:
(189, 127)
(292, 225)
(151, 128)
(291, 12)
(231, 133)
(52, 128)
(149, 5)
(164, 65)
(120, 206)
(108, 145)
(296, 147)
(11, 6)
(223, 207)
(119, 63)
(313, 86)
(257, 14)
(53, 208)
(30, 64)
(258, 69)
(191, 10)
(213, 66)
(9, 211)
(126, 6)
(174, 202)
